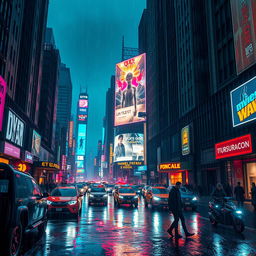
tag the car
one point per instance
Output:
(137, 189)
(110, 188)
(157, 197)
(23, 208)
(126, 196)
(189, 198)
(65, 200)
(98, 195)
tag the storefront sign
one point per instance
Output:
(15, 129)
(11, 150)
(64, 162)
(130, 163)
(166, 167)
(235, 147)
(243, 103)
(2, 100)
(185, 141)
(47, 165)
(28, 157)
(70, 136)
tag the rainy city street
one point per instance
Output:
(128, 231)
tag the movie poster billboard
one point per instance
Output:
(81, 140)
(244, 30)
(130, 91)
(36, 143)
(129, 147)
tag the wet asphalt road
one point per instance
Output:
(126, 231)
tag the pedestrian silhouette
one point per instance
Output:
(175, 206)
(239, 193)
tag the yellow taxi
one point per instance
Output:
(125, 195)
(156, 197)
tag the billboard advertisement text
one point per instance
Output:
(130, 91)
(244, 30)
(81, 140)
(129, 147)
(243, 103)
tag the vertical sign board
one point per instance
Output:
(185, 141)
(243, 103)
(130, 91)
(2, 100)
(70, 136)
(36, 143)
(244, 30)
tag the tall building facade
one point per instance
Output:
(194, 79)
(49, 96)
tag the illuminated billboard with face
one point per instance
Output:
(244, 30)
(81, 140)
(130, 91)
(129, 147)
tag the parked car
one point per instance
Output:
(65, 200)
(23, 208)
(98, 195)
(157, 197)
(110, 188)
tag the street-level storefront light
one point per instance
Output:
(72, 202)
(194, 198)
(239, 212)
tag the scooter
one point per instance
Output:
(225, 212)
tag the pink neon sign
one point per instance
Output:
(11, 150)
(2, 100)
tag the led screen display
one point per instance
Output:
(81, 140)
(129, 147)
(130, 91)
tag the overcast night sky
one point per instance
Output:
(88, 34)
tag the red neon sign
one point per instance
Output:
(234, 147)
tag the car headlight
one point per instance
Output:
(49, 202)
(136, 197)
(156, 198)
(81, 190)
(121, 197)
(72, 202)
(194, 198)
(91, 195)
(216, 206)
(239, 212)
(105, 195)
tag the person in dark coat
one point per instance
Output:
(218, 192)
(175, 206)
(239, 193)
(253, 193)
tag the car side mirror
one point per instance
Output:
(45, 194)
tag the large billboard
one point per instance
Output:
(83, 108)
(81, 140)
(129, 147)
(36, 143)
(130, 91)
(243, 103)
(244, 30)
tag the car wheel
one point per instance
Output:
(42, 228)
(15, 241)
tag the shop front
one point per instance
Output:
(46, 173)
(175, 172)
(240, 161)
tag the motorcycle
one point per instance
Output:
(225, 212)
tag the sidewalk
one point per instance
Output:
(249, 213)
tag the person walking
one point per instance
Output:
(239, 194)
(253, 193)
(175, 206)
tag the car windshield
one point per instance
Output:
(160, 191)
(65, 192)
(98, 190)
(126, 190)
